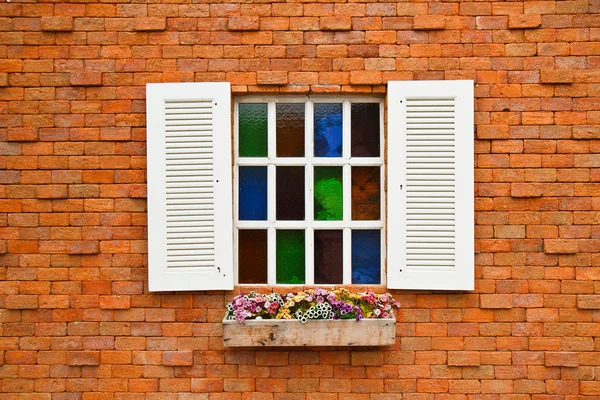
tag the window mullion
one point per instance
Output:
(382, 197)
(309, 264)
(347, 193)
(271, 200)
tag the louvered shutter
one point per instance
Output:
(430, 185)
(189, 186)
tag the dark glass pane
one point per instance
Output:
(252, 256)
(290, 130)
(290, 193)
(290, 256)
(329, 203)
(253, 193)
(366, 193)
(364, 123)
(252, 130)
(366, 256)
(328, 257)
(328, 130)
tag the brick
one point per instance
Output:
(560, 246)
(83, 358)
(271, 77)
(21, 302)
(496, 301)
(115, 302)
(464, 358)
(243, 23)
(366, 77)
(429, 22)
(524, 21)
(22, 134)
(57, 24)
(85, 78)
(561, 359)
(83, 247)
(335, 23)
(149, 24)
(556, 76)
(3, 79)
(526, 190)
(588, 302)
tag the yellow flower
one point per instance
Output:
(299, 297)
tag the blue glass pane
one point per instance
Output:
(253, 193)
(366, 256)
(328, 130)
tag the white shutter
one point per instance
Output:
(190, 245)
(430, 185)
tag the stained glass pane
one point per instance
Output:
(328, 130)
(289, 193)
(364, 123)
(366, 193)
(290, 130)
(366, 256)
(290, 256)
(252, 130)
(253, 193)
(328, 194)
(252, 256)
(328, 257)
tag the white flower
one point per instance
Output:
(377, 312)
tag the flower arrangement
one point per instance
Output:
(311, 304)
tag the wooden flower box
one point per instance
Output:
(280, 332)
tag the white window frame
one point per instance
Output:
(309, 225)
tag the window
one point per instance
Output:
(299, 216)
(309, 199)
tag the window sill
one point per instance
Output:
(265, 333)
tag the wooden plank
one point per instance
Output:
(258, 333)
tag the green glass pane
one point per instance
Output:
(329, 203)
(252, 130)
(290, 256)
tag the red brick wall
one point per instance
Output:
(76, 319)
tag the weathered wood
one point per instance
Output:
(257, 333)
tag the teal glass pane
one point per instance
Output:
(253, 193)
(329, 203)
(290, 256)
(366, 256)
(252, 122)
(328, 130)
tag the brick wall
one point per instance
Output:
(76, 319)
